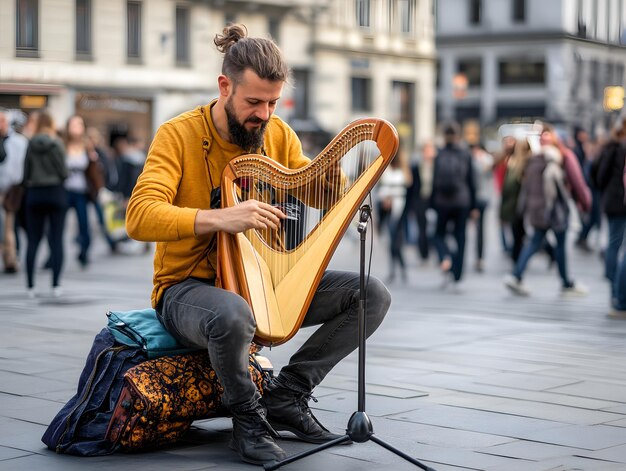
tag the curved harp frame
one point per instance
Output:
(279, 301)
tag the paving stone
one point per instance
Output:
(7, 453)
(531, 451)
(478, 421)
(591, 437)
(599, 390)
(614, 453)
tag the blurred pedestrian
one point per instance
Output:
(130, 159)
(84, 181)
(12, 153)
(482, 165)
(501, 160)
(510, 216)
(392, 193)
(607, 175)
(45, 170)
(453, 197)
(544, 202)
(592, 219)
(418, 197)
(100, 174)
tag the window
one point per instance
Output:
(403, 101)
(273, 27)
(519, 11)
(27, 28)
(133, 45)
(361, 94)
(472, 69)
(582, 26)
(83, 29)
(363, 13)
(182, 35)
(594, 80)
(230, 18)
(405, 15)
(522, 72)
(301, 94)
(475, 13)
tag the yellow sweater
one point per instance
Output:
(185, 162)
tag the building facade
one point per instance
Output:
(129, 65)
(512, 60)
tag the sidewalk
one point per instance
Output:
(473, 378)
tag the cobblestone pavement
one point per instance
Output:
(466, 377)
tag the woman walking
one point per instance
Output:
(544, 202)
(45, 171)
(80, 159)
(392, 190)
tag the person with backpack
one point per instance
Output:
(453, 197)
(544, 202)
(607, 175)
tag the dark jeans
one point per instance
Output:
(534, 245)
(618, 287)
(480, 229)
(423, 237)
(617, 226)
(78, 201)
(594, 218)
(519, 235)
(45, 205)
(396, 242)
(458, 218)
(201, 315)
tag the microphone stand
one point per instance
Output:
(360, 427)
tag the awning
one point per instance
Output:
(30, 89)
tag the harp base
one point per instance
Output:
(359, 429)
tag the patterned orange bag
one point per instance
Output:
(162, 397)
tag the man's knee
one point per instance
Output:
(378, 301)
(234, 319)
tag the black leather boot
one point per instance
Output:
(253, 438)
(289, 410)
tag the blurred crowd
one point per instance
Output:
(49, 169)
(543, 184)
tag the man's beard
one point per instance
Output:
(249, 141)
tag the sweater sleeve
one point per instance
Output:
(574, 175)
(151, 215)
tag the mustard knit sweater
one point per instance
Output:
(184, 163)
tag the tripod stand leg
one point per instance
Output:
(400, 453)
(304, 454)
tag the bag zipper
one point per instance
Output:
(59, 448)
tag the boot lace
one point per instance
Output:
(302, 402)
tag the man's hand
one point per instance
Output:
(250, 214)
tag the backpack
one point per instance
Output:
(80, 426)
(451, 172)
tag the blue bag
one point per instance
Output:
(80, 426)
(142, 328)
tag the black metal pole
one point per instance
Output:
(364, 218)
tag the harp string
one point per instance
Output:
(306, 206)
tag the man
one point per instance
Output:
(12, 153)
(453, 197)
(170, 205)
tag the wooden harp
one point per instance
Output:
(277, 271)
